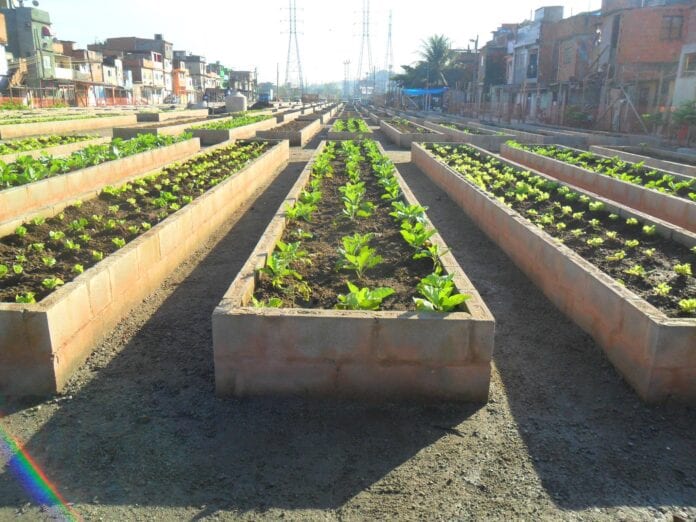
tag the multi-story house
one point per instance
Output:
(685, 84)
(148, 76)
(29, 43)
(196, 66)
(132, 44)
(639, 53)
(182, 84)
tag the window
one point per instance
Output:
(671, 27)
(689, 65)
(532, 64)
(567, 53)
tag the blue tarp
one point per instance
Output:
(423, 92)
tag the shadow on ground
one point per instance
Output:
(592, 441)
(144, 427)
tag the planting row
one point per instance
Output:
(658, 269)
(351, 292)
(40, 142)
(352, 242)
(28, 170)
(46, 253)
(48, 119)
(576, 249)
(634, 173)
(354, 125)
(233, 123)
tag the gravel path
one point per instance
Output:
(139, 434)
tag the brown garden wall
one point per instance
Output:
(172, 115)
(404, 140)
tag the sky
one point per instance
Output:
(244, 35)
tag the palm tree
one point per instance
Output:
(438, 58)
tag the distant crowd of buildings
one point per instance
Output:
(625, 66)
(116, 71)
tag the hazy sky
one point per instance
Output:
(247, 34)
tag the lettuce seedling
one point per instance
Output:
(51, 283)
(365, 259)
(438, 293)
(363, 298)
(687, 306)
(683, 270)
(26, 298)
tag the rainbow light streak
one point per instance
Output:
(33, 479)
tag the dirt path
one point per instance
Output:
(139, 434)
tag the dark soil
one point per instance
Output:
(408, 127)
(296, 125)
(397, 271)
(127, 215)
(658, 267)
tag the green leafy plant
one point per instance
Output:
(365, 259)
(363, 298)
(683, 270)
(662, 289)
(25, 298)
(687, 306)
(439, 294)
(51, 283)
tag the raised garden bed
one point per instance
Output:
(237, 128)
(62, 125)
(54, 145)
(667, 196)
(655, 158)
(45, 185)
(297, 132)
(624, 278)
(165, 128)
(349, 128)
(533, 136)
(468, 134)
(172, 115)
(290, 324)
(143, 230)
(403, 132)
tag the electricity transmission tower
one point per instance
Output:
(346, 80)
(389, 60)
(364, 45)
(293, 68)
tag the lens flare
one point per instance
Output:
(33, 479)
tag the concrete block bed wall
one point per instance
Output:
(214, 136)
(676, 210)
(655, 354)
(43, 343)
(404, 140)
(57, 151)
(668, 161)
(297, 138)
(21, 130)
(484, 139)
(172, 115)
(48, 196)
(376, 355)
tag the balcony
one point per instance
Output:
(62, 73)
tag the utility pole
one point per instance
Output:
(293, 67)
(364, 44)
(346, 80)
(389, 60)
